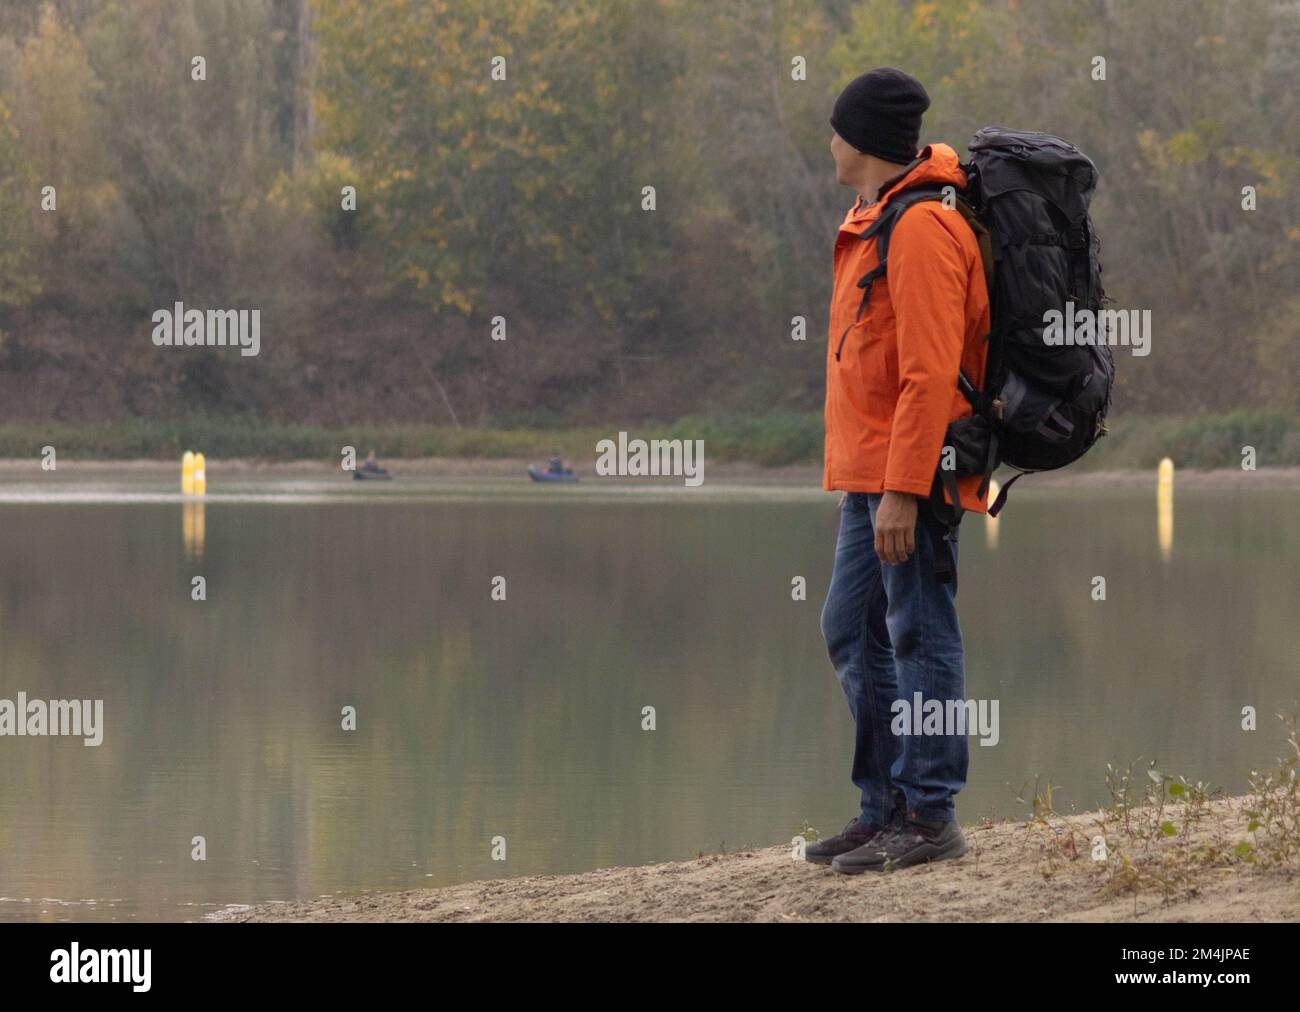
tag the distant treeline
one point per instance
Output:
(501, 154)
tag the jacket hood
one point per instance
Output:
(936, 165)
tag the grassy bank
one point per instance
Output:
(770, 441)
(1212, 441)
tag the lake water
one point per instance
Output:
(522, 718)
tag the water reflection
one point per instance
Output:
(1165, 508)
(990, 521)
(193, 530)
(522, 718)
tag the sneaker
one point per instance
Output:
(913, 841)
(855, 834)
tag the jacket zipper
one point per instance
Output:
(844, 337)
(866, 284)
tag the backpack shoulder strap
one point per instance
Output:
(883, 228)
(896, 205)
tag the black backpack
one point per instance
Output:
(1042, 405)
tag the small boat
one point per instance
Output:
(371, 474)
(547, 474)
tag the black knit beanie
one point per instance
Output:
(879, 113)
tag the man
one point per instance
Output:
(891, 389)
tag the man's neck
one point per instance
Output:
(876, 175)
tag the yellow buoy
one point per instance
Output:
(187, 473)
(200, 474)
(990, 521)
(1165, 508)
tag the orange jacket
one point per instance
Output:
(893, 390)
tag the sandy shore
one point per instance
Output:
(1012, 873)
(729, 472)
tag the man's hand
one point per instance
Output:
(896, 527)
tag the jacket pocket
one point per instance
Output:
(861, 327)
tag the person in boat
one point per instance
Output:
(556, 465)
(371, 464)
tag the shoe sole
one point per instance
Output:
(924, 854)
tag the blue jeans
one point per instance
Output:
(891, 632)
